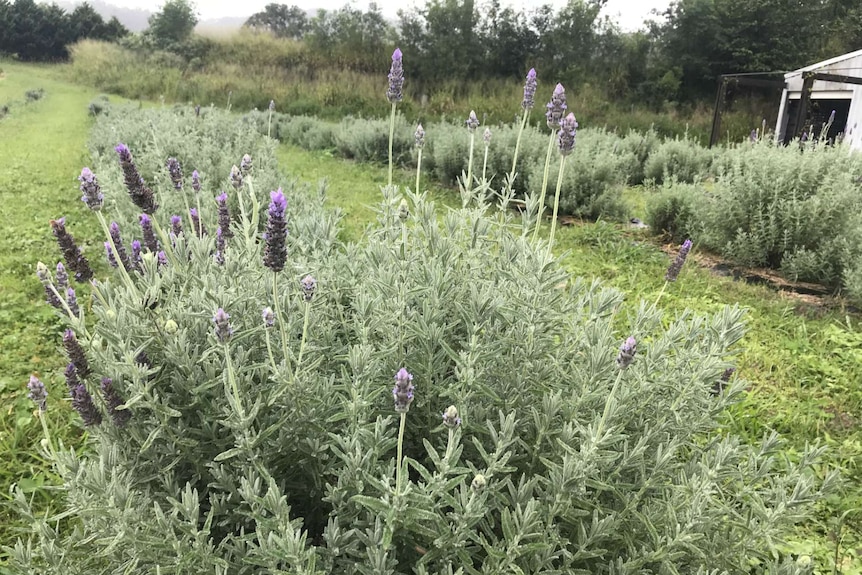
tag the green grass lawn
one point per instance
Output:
(803, 362)
(42, 146)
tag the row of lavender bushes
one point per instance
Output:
(237, 386)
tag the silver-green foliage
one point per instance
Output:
(683, 160)
(239, 459)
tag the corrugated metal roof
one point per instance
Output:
(830, 62)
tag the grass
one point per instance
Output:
(43, 149)
(803, 362)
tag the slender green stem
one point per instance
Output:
(400, 452)
(269, 125)
(269, 351)
(485, 164)
(189, 213)
(391, 137)
(544, 185)
(556, 204)
(43, 418)
(123, 272)
(418, 170)
(304, 334)
(244, 218)
(450, 443)
(281, 321)
(468, 185)
(231, 376)
(255, 205)
(524, 120)
(661, 293)
(166, 243)
(608, 405)
(62, 299)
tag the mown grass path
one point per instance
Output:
(42, 149)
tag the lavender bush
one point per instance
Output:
(538, 423)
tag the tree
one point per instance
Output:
(282, 20)
(173, 24)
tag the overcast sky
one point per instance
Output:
(629, 13)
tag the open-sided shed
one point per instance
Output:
(812, 93)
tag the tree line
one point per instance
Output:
(41, 32)
(673, 58)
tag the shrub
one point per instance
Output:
(681, 159)
(34, 95)
(787, 208)
(368, 140)
(99, 105)
(251, 449)
(674, 211)
(642, 145)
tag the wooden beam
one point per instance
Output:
(760, 83)
(836, 78)
(719, 108)
(804, 99)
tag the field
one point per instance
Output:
(801, 357)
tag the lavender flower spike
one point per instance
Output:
(75, 260)
(472, 121)
(403, 391)
(308, 285)
(450, 417)
(176, 225)
(246, 165)
(76, 353)
(487, 136)
(676, 265)
(109, 253)
(196, 181)
(71, 375)
(92, 193)
(275, 250)
(82, 401)
(396, 78)
(627, 353)
(566, 139)
(176, 172)
(223, 330)
(224, 216)
(72, 301)
(62, 277)
(112, 400)
(136, 254)
(272, 105)
(268, 317)
(37, 392)
(141, 195)
(236, 177)
(45, 278)
(198, 226)
(419, 136)
(150, 240)
(123, 256)
(556, 108)
(530, 90)
(220, 247)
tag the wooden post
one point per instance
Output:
(719, 108)
(804, 99)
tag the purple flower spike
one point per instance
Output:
(224, 216)
(136, 254)
(308, 285)
(162, 259)
(236, 177)
(487, 137)
(176, 172)
(220, 247)
(556, 108)
(566, 138)
(75, 353)
(120, 417)
(530, 90)
(141, 195)
(176, 225)
(451, 418)
(109, 253)
(268, 317)
(150, 240)
(121, 249)
(197, 225)
(396, 78)
(92, 193)
(627, 353)
(472, 121)
(245, 165)
(71, 375)
(37, 392)
(752, 137)
(62, 277)
(718, 386)
(403, 390)
(82, 401)
(223, 330)
(72, 302)
(75, 260)
(196, 181)
(676, 265)
(275, 250)
(45, 278)
(419, 137)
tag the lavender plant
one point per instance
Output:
(560, 451)
(556, 110)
